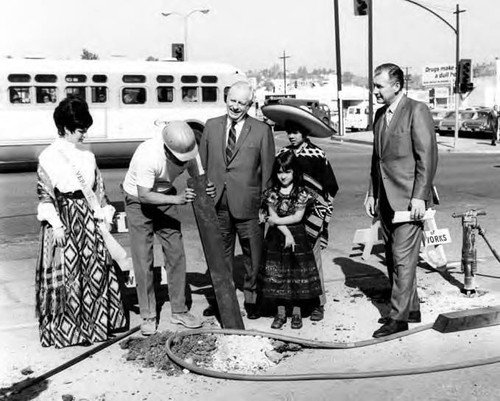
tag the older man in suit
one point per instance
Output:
(403, 167)
(237, 152)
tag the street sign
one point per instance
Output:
(438, 74)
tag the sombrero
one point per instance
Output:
(283, 114)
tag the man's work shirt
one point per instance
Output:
(150, 168)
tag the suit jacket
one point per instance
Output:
(248, 172)
(405, 154)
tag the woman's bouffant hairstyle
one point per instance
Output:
(72, 113)
(287, 161)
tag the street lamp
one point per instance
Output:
(456, 31)
(185, 18)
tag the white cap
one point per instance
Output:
(180, 140)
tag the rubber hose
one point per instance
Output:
(319, 345)
(483, 234)
(31, 382)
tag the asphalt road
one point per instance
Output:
(464, 181)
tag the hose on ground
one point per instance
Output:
(318, 345)
(482, 233)
(16, 389)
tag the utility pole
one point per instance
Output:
(284, 57)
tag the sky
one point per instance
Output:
(253, 34)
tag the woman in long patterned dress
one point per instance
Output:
(289, 274)
(78, 298)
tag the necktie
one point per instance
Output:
(231, 140)
(388, 117)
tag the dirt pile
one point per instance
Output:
(223, 353)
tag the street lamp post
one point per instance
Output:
(456, 30)
(185, 20)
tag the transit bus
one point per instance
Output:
(129, 101)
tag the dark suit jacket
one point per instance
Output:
(405, 157)
(248, 172)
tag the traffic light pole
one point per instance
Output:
(456, 30)
(457, 73)
(370, 64)
(340, 126)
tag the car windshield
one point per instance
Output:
(467, 115)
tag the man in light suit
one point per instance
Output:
(404, 163)
(237, 152)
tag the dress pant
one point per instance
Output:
(402, 248)
(251, 237)
(144, 221)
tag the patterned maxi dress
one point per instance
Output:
(286, 274)
(78, 297)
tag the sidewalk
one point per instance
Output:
(355, 291)
(445, 143)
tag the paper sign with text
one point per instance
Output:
(437, 237)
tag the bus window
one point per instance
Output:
(209, 94)
(99, 94)
(165, 79)
(45, 78)
(19, 94)
(189, 94)
(78, 91)
(134, 79)
(189, 79)
(209, 79)
(46, 94)
(226, 90)
(19, 78)
(165, 94)
(80, 78)
(134, 95)
(99, 78)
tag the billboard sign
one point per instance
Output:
(438, 74)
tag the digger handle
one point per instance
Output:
(455, 215)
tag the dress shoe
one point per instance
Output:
(278, 322)
(317, 314)
(211, 311)
(296, 322)
(252, 311)
(391, 327)
(413, 317)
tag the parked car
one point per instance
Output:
(437, 116)
(470, 120)
(479, 123)
(447, 124)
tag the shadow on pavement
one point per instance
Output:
(373, 283)
(13, 392)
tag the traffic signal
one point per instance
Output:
(178, 51)
(465, 75)
(360, 7)
(432, 95)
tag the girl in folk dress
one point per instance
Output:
(78, 298)
(289, 274)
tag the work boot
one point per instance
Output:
(148, 326)
(186, 319)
